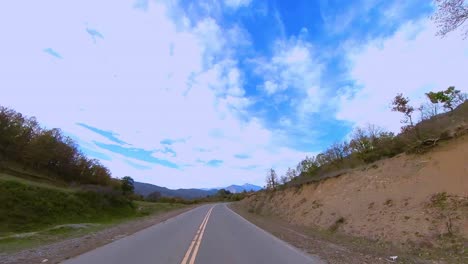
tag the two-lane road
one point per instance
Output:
(209, 234)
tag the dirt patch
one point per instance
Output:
(57, 252)
(414, 202)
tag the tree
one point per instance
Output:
(450, 98)
(450, 15)
(370, 143)
(428, 110)
(272, 180)
(127, 185)
(223, 193)
(22, 140)
(308, 165)
(401, 104)
(337, 152)
(284, 179)
(291, 174)
(154, 196)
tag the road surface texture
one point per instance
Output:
(210, 234)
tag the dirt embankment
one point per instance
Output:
(409, 200)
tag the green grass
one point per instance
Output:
(35, 213)
(25, 207)
(149, 208)
(7, 177)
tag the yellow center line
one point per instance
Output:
(195, 251)
(196, 239)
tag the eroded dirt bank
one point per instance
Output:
(411, 201)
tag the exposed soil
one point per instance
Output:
(414, 202)
(332, 247)
(57, 252)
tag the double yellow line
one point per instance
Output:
(195, 245)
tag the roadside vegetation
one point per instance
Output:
(221, 196)
(34, 213)
(50, 190)
(441, 118)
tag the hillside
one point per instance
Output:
(147, 188)
(411, 201)
(27, 206)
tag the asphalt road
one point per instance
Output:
(210, 234)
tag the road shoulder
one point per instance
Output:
(326, 250)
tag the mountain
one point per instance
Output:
(240, 188)
(147, 188)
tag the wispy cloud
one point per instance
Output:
(138, 166)
(107, 134)
(94, 34)
(53, 53)
(171, 141)
(242, 156)
(136, 153)
(214, 163)
(95, 154)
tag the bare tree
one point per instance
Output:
(428, 110)
(284, 179)
(306, 165)
(450, 15)
(291, 174)
(272, 180)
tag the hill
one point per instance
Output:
(413, 199)
(414, 202)
(245, 187)
(147, 188)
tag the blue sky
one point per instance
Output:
(215, 92)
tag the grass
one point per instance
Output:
(16, 241)
(25, 207)
(34, 213)
(7, 177)
(149, 208)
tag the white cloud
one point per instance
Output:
(237, 3)
(150, 78)
(338, 22)
(412, 61)
(295, 68)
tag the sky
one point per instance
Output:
(215, 92)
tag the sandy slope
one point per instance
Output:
(399, 200)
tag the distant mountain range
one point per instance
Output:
(147, 188)
(240, 188)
